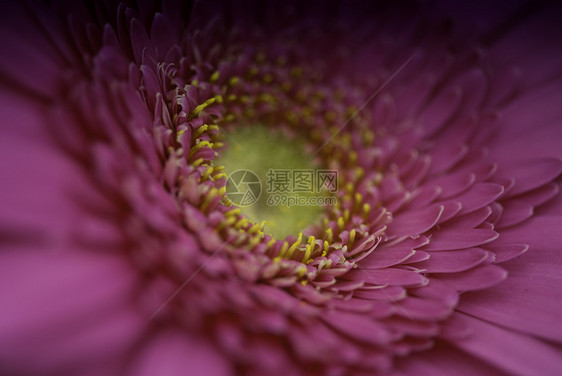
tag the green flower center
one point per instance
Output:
(284, 197)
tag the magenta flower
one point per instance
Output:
(124, 253)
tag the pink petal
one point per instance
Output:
(453, 261)
(384, 258)
(538, 196)
(424, 196)
(139, 39)
(414, 222)
(530, 175)
(422, 309)
(530, 300)
(480, 195)
(451, 239)
(417, 257)
(353, 305)
(411, 327)
(514, 213)
(470, 220)
(440, 109)
(395, 277)
(453, 184)
(177, 353)
(510, 351)
(390, 293)
(443, 158)
(65, 308)
(437, 290)
(474, 279)
(450, 210)
(358, 327)
(443, 360)
(505, 252)
(161, 35)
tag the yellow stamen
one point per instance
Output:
(254, 241)
(200, 145)
(219, 176)
(200, 130)
(366, 208)
(294, 246)
(207, 173)
(309, 249)
(352, 236)
(326, 247)
(301, 271)
(209, 197)
(229, 117)
(283, 250)
(353, 157)
(271, 243)
(232, 212)
(255, 228)
(242, 222)
(214, 76)
(227, 222)
(341, 223)
(202, 106)
(330, 234)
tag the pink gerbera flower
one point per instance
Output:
(126, 251)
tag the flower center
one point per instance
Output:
(272, 179)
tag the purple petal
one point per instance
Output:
(422, 309)
(55, 298)
(530, 175)
(453, 184)
(395, 277)
(440, 109)
(470, 220)
(437, 290)
(514, 213)
(505, 252)
(175, 353)
(510, 351)
(358, 327)
(453, 261)
(414, 222)
(451, 239)
(443, 158)
(530, 301)
(443, 360)
(390, 293)
(480, 195)
(474, 279)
